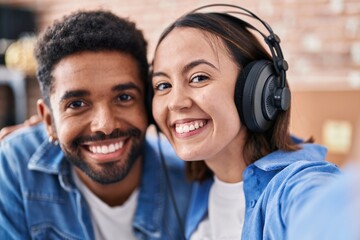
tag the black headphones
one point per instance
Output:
(260, 90)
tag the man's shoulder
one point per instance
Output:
(26, 135)
(23, 145)
(160, 147)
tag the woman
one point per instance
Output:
(253, 177)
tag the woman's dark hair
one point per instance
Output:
(243, 47)
(87, 31)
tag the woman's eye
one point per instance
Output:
(76, 104)
(199, 78)
(162, 86)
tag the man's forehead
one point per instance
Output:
(95, 72)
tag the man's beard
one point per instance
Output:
(110, 172)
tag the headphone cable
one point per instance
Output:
(168, 184)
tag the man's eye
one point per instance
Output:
(162, 86)
(76, 104)
(199, 78)
(124, 97)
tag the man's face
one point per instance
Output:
(98, 113)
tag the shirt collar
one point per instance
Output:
(151, 200)
(47, 157)
(280, 159)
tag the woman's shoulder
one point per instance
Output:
(308, 153)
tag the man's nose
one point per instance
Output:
(104, 120)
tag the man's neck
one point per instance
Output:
(117, 193)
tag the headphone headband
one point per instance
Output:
(246, 13)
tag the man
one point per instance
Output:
(88, 172)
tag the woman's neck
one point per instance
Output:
(229, 164)
(229, 169)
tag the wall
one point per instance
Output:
(332, 118)
(320, 40)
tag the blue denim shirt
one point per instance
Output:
(39, 200)
(275, 187)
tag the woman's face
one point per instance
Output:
(194, 79)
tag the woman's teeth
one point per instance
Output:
(188, 127)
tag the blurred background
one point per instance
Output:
(320, 41)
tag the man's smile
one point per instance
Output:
(105, 149)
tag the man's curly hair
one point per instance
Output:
(87, 31)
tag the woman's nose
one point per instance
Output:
(179, 100)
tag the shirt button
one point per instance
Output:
(252, 203)
(248, 173)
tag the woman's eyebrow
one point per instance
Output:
(187, 67)
(195, 63)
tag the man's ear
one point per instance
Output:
(45, 113)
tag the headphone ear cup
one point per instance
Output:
(239, 90)
(254, 95)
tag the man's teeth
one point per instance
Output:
(105, 149)
(188, 127)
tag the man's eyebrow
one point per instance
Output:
(187, 67)
(85, 93)
(74, 94)
(125, 86)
